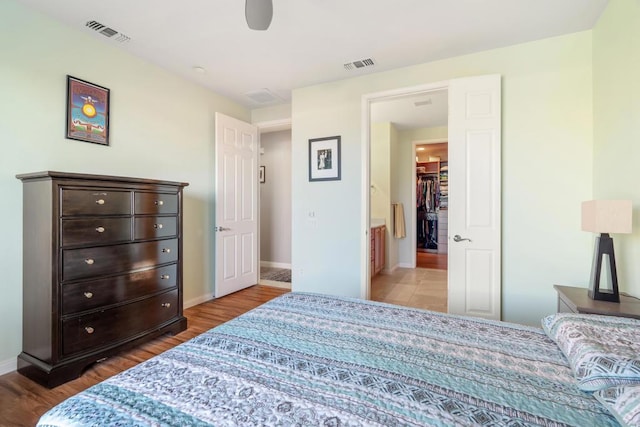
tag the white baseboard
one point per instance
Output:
(405, 265)
(273, 283)
(198, 300)
(7, 366)
(390, 270)
(275, 264)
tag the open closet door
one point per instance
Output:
(475, 197)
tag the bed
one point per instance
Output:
(310, 359)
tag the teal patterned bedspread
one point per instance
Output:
(317, 360)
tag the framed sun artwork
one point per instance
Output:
(87, 112)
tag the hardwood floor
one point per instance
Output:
(23, 401)
(431, 260)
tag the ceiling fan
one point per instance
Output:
(258, 14)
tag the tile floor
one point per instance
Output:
(424, 288)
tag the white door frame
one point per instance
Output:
(367, 100)
(412, 215)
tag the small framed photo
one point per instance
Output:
(87, 111)
(324, 159)
(261, 174)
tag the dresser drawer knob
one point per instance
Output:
(157, 225)
(166, 304)
(89, 329)
(100, 229)
(166, 250)
(159, 203)
(88, 295)
(164, 277)
(89, 261)
(100, 202)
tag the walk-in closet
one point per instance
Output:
(432, 189)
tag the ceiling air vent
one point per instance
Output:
(107, 32)
(263, 96)
(362, 63)
(422, 103)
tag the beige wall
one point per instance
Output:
(616, 101)
(380, 170)
(384, 145)
(161, 127)
(392, 244)
(547, 131)
(424, 134)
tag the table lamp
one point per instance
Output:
(604, 217)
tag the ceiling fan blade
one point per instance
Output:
(258, 13)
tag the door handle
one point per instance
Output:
(457, 238)
(222, 229)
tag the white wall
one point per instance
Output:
(161, 127)
(275, 198)
(616, 175)
(547, 131)
(271, 114)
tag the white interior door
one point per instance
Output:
(236, 150)
(474, 197)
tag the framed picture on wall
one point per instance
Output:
(324, 159)
(87, 111)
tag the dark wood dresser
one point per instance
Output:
(102, 269)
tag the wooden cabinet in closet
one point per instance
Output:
(102, 269)
(428, 167)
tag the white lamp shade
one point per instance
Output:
(607, 216)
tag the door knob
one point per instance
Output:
(222, 229)
(457, 238)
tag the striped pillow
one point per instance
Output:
(603, 351)
(623, 402)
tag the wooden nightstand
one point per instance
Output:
(576, 300)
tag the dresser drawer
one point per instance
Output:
(84, 296)
(155, 227)
(91, 231)
(155, 203)
(94, 262)
(117, 324)
(95, 202)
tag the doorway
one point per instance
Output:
(432, 202)
(402, 138)
(474, 216)
(275, 205)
